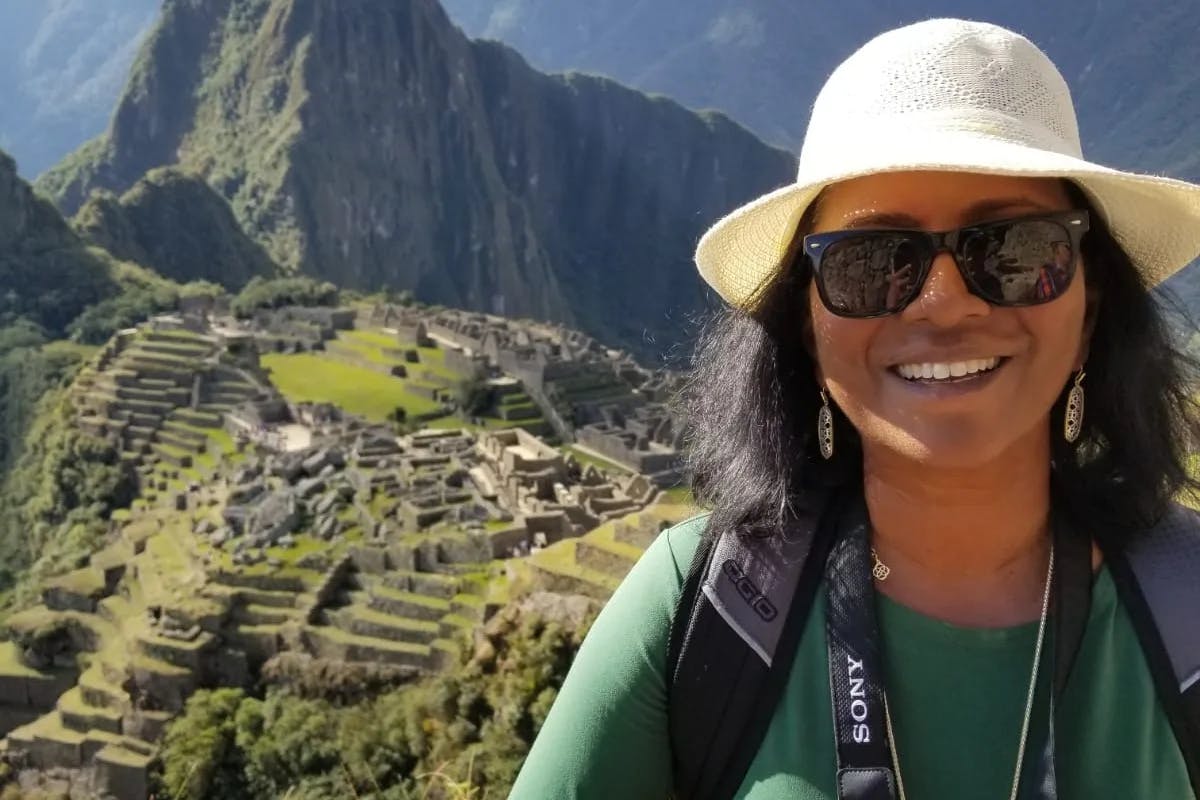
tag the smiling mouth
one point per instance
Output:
(947, 371)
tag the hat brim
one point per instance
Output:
(1155, 219)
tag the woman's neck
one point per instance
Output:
(966, 545)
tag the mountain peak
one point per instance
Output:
(374, 145)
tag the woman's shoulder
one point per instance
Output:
(656, 581)
(680, 542)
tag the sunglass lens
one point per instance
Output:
(870, 274)
(1021, 263)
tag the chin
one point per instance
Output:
(948, 448)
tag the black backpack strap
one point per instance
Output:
(1158, 579)
(735, 634)
(1072, 597)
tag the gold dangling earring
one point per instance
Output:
(825, 428)
(1073, 421)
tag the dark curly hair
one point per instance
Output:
(751, 404)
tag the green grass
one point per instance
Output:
(342, 637)
(221, 438)
(83, 351)
(438, 603)
(116, 754)
(514, 399)
(560, 557)
(604, 537)
(598, 462)
(11, 663)
(219, 441)
(166, 551)
(434, 360)
(305, 545)
(366, 614)
(367, 351)
(36, 618)
(182, 335)
(450, 422)
(170, 449)
(381, 502)
(84, 582)
(372, 346)
(371, 338)
(305, 377)
(680, 495)
(50, 726)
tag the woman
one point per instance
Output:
(949, 416)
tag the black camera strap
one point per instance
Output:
(856, 669)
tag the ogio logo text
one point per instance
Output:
(749, 592)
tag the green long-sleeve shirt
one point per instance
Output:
(957, 697)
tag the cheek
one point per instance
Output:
(1058, 329)
(840, 345)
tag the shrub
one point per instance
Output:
(99, 322)
(460, 734)
(262, 293)
(200, 755)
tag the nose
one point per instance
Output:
(945, 300)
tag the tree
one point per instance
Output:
(99, 322)
(475, 398)
(262, 293)
(200, 756)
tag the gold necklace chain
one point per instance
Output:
(1037, 660)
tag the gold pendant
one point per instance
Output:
(880, 570)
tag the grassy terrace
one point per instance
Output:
(83, 351)
(560, 562)
(12, 665)
(306, 544)
(311, 378)
(599, 462)
(360, 390)
(560, 559)
(375, 346)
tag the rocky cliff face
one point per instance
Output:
(1128, 63)
(372, 144)
(174, 223)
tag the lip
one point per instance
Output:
(950, 387)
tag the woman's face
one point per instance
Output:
(970, 420)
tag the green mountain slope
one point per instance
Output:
(178, 226)
(55, 482)
(48, 276)
(373, 145)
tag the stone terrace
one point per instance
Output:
(364, 546)
(155, 394)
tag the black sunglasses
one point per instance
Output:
(870, 272)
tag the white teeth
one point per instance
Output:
(946, 369)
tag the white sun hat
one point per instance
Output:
(948, 95)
